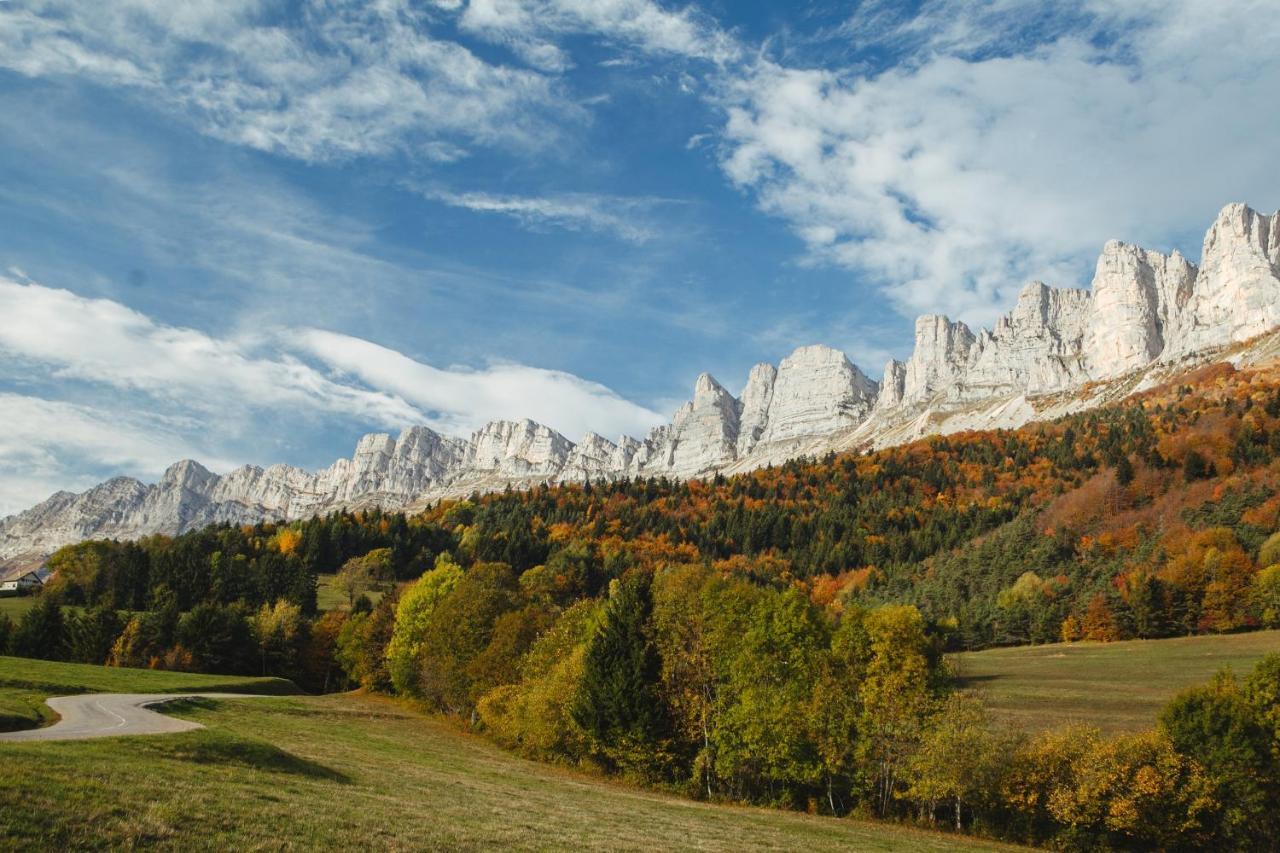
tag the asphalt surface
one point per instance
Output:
(92, 715)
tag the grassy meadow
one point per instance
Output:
(14, 606)
(25, 684)
(330, 597)
(358, 771)
(1119, 687)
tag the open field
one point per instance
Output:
(329, 597)
(357, 771)
(14, 606)
(25, 684)
(1115, 686)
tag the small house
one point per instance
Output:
(19, 581)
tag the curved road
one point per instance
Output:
(91, 715)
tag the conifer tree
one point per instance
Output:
(618, 702)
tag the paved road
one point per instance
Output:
(92, 715)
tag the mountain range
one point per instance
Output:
(1146, 317)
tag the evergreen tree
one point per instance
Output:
(42, 633)
(618, 701)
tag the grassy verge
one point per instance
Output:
(1116, 686)
(367, 772)
(26, 683)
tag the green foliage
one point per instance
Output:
(362, 645)
(91, 635)
(534, 715)
(219, 638)
(42, 632)
(1266, 595)
(1269, 552)
(413, 615)
(1222, 731)
(280, 633)
(619, 703)
(961, 762)
(765, 734)
(458, 631)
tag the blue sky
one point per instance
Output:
(249, 231)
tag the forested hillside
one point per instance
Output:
(778, 636)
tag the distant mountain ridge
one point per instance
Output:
(1146, 317)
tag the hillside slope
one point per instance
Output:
(355, 772)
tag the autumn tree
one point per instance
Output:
(961, 760)
(458, 630)
(1217, 727)
(896, 697)
(279, 632)
(413, 615)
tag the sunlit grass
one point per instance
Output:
(1115, 686)
(356, 772)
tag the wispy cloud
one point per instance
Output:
(342, 80)
(534, 28)
(48, 445)
(461, 399)
(624, 217)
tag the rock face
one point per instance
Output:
(1058, 350)
(1237, 292)
(1139, 299)
(817, 391)
(756, 398)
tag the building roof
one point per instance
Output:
(13, 573)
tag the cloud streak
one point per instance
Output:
(623, 217)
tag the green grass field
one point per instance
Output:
(1115, 686)
(329, 597)
(25, 684)
(359, 772)
(16, 605)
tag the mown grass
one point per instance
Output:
(363, 772)
(1119, 687)
(26, 683)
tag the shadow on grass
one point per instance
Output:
(973, 680)
(218, 748)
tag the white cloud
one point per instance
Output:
(531, 28)
(461, 400)
(624, 217)
(957, 175)
(47, 445)
(103, 342)
(346, 79)
(177, 392)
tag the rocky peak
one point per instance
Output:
(755, 406)
(188, 474)
(941, 353)
(893, 385)
(817, 391)
(704, 431)
(1137, 300)
(518, 448)
(1237, 292)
